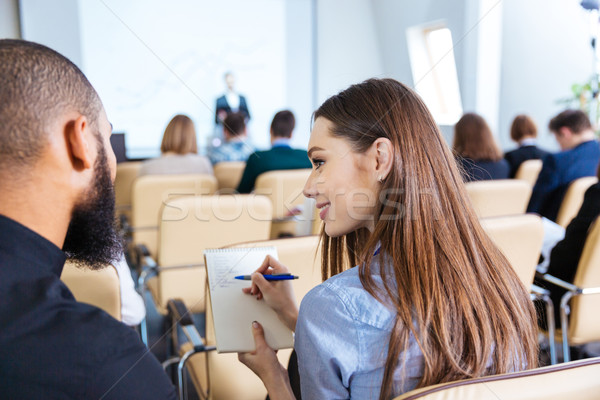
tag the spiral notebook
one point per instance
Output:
(233, 311)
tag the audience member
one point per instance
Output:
(565, 256)
(524, 132)
(230, 102)
(179, 151)
(431, 299)
(579, 157)
(236, 147)
(281, 156)
(56, 192)
(477, 153)
(133, 309)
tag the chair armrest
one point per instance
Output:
(559, 282)
(181, 316)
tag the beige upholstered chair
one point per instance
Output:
(520, 238)
(191, 224)
(574, 380)
(99, 288)
(229, 174)
(496, 198)
(150, 192)
(573, 199)
(579, 306)
(283, 188)
(211, 371)
(529, 171)
(126, 174)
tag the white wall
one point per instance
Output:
(546, 48)
(348, 46)
(151, 59)
(9, 19)
(55, 24)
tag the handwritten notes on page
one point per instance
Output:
(233, 311)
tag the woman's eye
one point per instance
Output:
(318, 163)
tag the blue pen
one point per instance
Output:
(274, 277)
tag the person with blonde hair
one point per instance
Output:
(477, 153)
(429, 297)
(179, 151)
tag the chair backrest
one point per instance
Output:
(302, 256)
(150, 192)
(573, 199)
(529, 171)
(496, 198)
(191, 224)
(283, 188)
(584, 324)
(573, 380)
(126, 174)
(229, 174)
(520, 238)
(99, 288)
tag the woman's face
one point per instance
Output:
(343, 183)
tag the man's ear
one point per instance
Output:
(384, 153)
(78, 138)
(564, 132)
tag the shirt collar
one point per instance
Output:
(40, 255)
(528, 142)
(281, 142)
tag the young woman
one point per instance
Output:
(430, 298)
(179, 151)
(477, 153)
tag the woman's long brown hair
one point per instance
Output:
(451, 288)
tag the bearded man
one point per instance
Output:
(56, 201)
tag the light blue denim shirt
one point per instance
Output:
(342, 337)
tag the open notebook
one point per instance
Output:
(233, 311)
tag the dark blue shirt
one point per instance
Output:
(52, 347)
(558, 171)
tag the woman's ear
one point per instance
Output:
(78, 136)
(384, 152)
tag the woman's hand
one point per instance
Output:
(279, 295)
(264, 363)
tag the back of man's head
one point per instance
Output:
(575, 120)
(234, 124)
(37, 85)
(283, 124)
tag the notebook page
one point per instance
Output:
(234, 311)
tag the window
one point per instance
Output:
(434, 71)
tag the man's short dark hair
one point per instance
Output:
(575, 120)
(37, 85)
(283, 124)
(234, 123)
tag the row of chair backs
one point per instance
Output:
(150, 192)
(191, 224)
(495, 198)
(584, 324)
(99, 288)
(574, 380)
(229, 174)
(283, 188)
(573, 199)
(529, 171)
(213, 371)
(519, 238)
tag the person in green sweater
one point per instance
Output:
(281, 155)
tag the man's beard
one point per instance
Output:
(92, 239)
